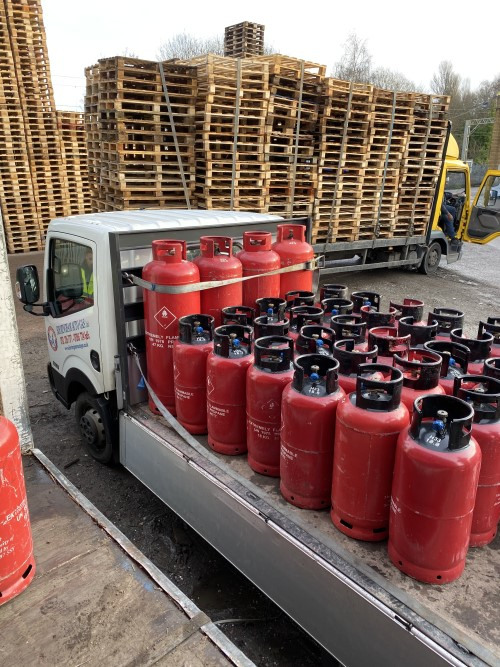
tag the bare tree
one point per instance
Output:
(445, 81)
(387, 78)
(355, 63)
(185, 46)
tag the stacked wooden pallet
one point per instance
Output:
(244, 40)
(293, 112)
(231, 115)
(71, 126)
(140, 132)
(31, 61)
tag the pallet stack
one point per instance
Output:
(71, 125)
(140, 135)
(244, 40)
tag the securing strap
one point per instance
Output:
(314, 265)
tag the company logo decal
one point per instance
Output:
(51, 335)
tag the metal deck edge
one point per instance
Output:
(223, 643)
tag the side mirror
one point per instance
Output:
(27, 284)
(68, 282)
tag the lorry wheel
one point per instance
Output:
(431, 259)
(91, 425)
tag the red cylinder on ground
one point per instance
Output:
(375, 318)
(300, 316)
(368, 426)
(419, 332)
(483, 393)
(17, 564)
(479, 349)
(361, 298)
(492, 326)
(161, 314)
(335, 306)
(227, 367)
(447, 319)
(243, 315)
(257, 257)
(454, 361)
(292, 247)
(434, 490)
(421, 372)
(266, 325)
(388, 343)
(308, 409)
(216, 262)
(349, 327)
(410, 308)
(190, 371)
(492, 367)
(314, 339)
(333, 290)
(350, 358)
(270, 373)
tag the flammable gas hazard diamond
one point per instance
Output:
(165, 318)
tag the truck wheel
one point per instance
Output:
(431, 259)
(90, 422)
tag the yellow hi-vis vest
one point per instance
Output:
(88, 287)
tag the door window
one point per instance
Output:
(70, 283)
(490, 194)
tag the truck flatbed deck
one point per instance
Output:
(344, 592)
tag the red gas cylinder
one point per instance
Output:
(479, 349)
(216, 262)
(421, 372)
(389, 343)
(270, 373)
(434, 490)
(375, 318)
(195, 342)
(333, 290)
(492, 326)
(267, 325)
(454, 361)
(302, 315)
(447, 319)
(257, 257)
(314, 339)
(361, 298)
(17, 564)
(308, 412)
(349, 327)
(368, 425)
(243, 315)
(292, 247)
(492, 367)
(350, 358)
(483, 393)
(227, 367)
(419, 332)
(410, 308)
(334, 306)
(161, 314)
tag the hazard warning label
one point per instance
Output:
(165, 318)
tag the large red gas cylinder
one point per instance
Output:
(308, 412)
(271, 371)
(492, 326)
(314, 339)
(433, 490)
(243, 315)
(302, 315)
(492, 367)
(190, 371)
(479, 349)
(349, 327)
(161, 313)
(333, 290)
(350, 358)
(216, 262)
(292, 247)
(334, 306)
(447, 319)
(368, 426)
(375, 318)
(421, 372)
(419, 332)
(257, 257)
(361, 298)
(410, 308)
(388, 343)
(454, 361)
(17, 564)
(483, 393)
(267, 325)
(227, 367)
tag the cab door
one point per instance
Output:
(484, 221)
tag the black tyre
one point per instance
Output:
(90, 421)
(431, 259)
